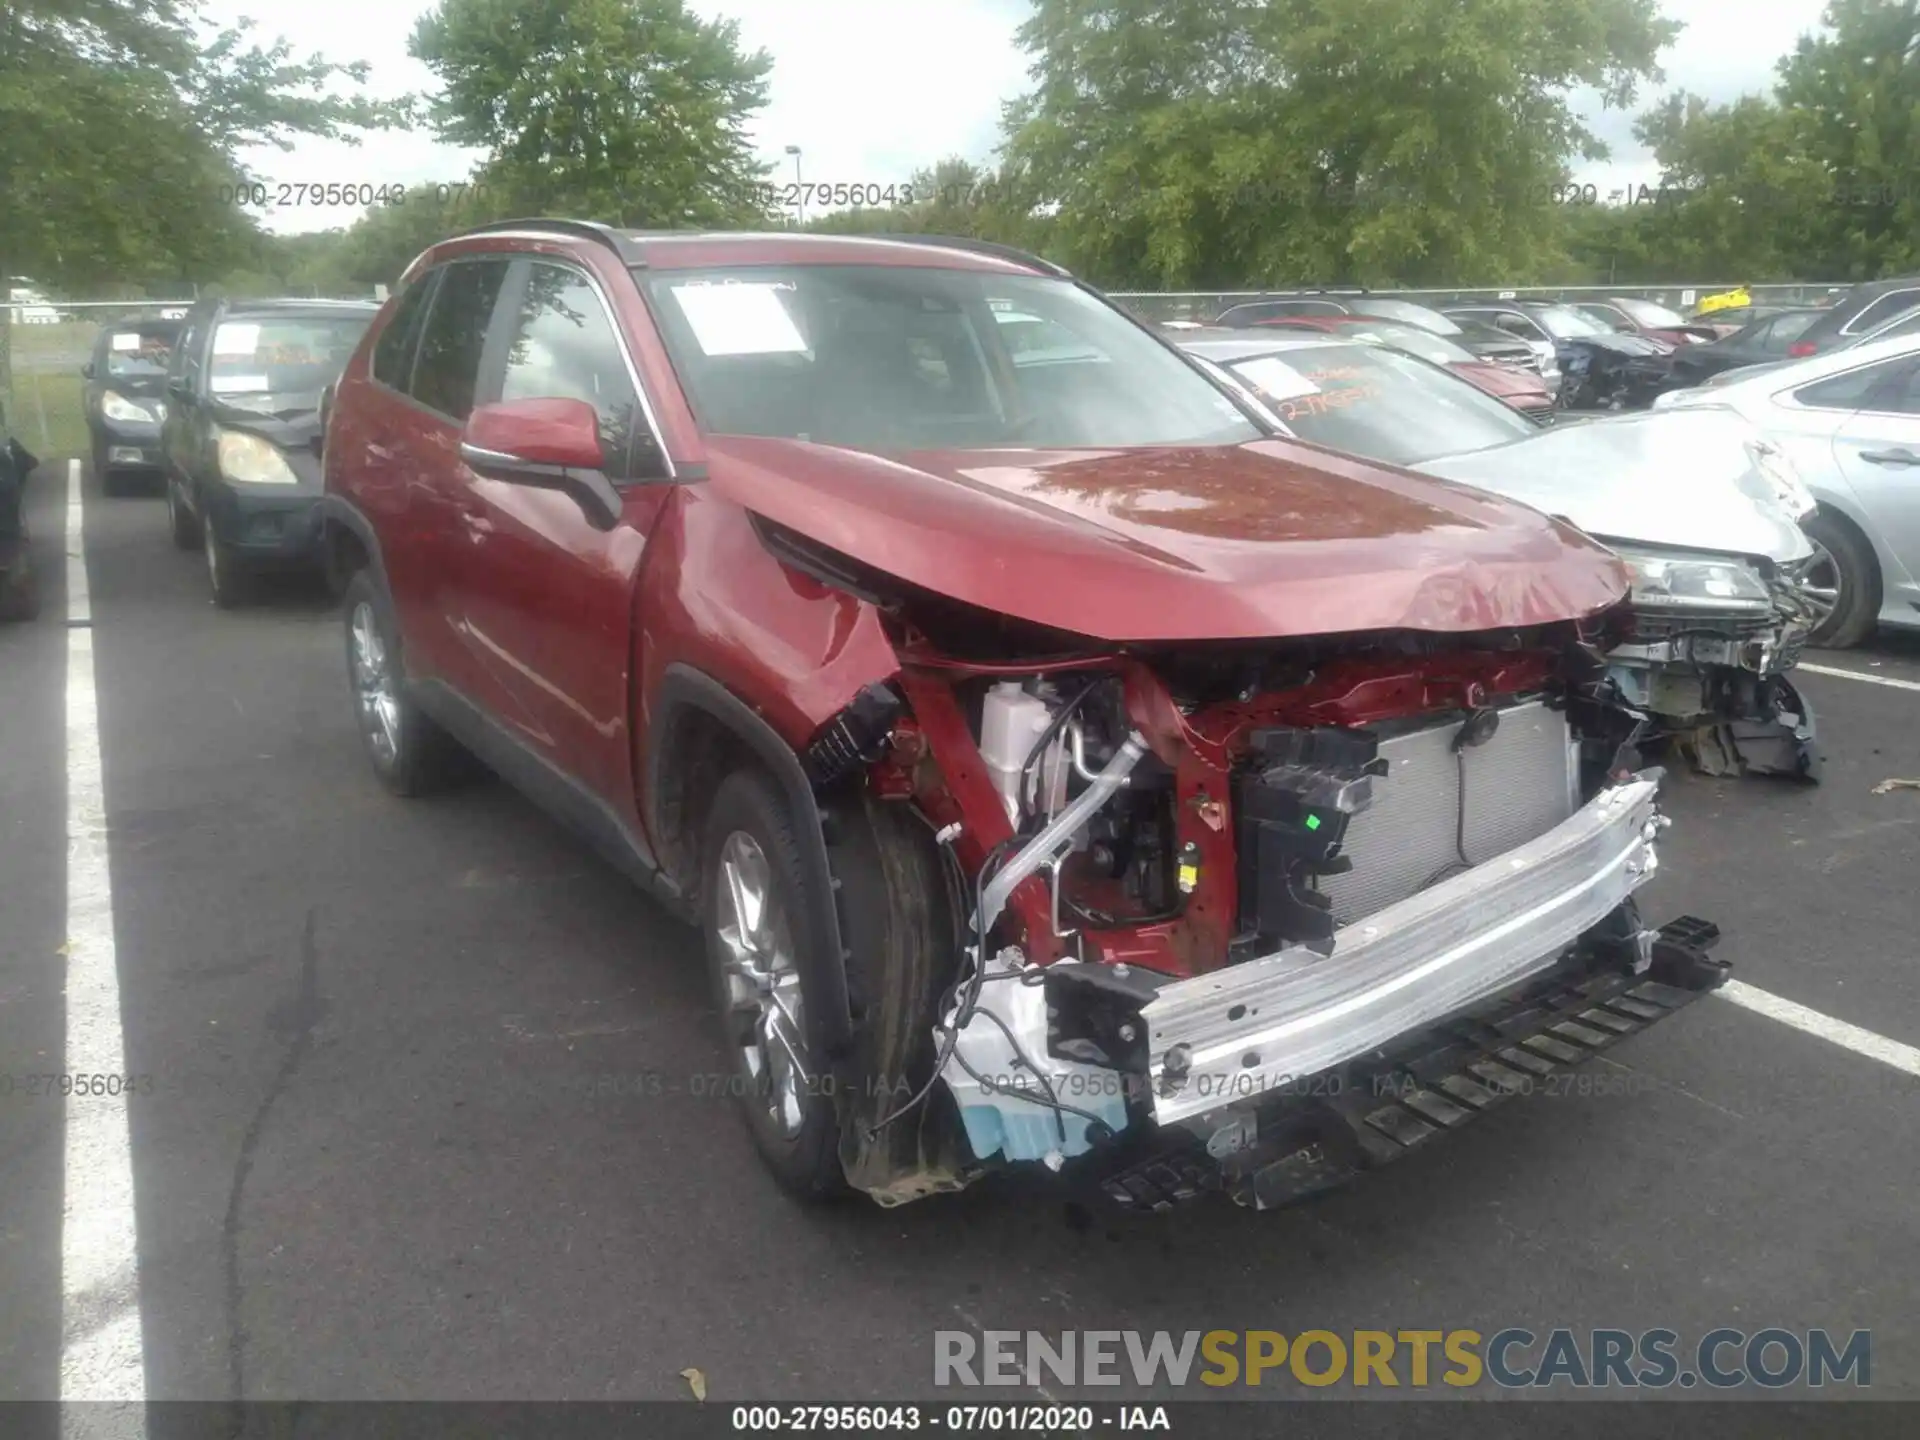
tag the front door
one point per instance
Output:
(547, 599)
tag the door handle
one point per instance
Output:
(1890, 457)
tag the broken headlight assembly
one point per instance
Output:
(1677, 583)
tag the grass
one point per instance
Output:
(45, 409)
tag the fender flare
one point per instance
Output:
(337, 510)
(684, 688)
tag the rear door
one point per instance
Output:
(431, 388)
(1878, 451)
(548, 599)
(186, 436)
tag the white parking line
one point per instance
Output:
(102, 1338)
(1858, 675)
(1840, 1032)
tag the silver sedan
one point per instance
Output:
(1850, 422)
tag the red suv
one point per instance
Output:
(1063, 768)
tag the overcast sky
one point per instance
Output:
(871, 90)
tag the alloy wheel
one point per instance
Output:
(764, 1013)
(373, 687)
(1823, 584)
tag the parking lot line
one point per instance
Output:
(1840, 1032)
(102, 1344)
(1858, 675)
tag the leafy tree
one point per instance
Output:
(630, 111)
(1227, 142)
(1853, 92)
(119, 120)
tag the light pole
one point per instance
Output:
(799, 188)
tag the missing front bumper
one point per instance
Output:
(1259, 1028)
(1335, 1126)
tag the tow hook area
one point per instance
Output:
(1332, 1127)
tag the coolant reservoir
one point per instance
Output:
(1011, 724)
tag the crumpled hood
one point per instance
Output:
(1687, 478)
(1267, 539)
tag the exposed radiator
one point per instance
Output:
(1520, 783)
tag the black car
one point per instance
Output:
(126, 398)
(243, 424)
(19, 598)
(1755, 343)
(1856, 312)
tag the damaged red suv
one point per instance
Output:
(1063, 768)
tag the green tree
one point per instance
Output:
(1853, 92)
(629, 111)
(1227, 142)
(119, 121)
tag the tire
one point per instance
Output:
(227, 579)
(896, 924)
(1849, 560)
(182, 524)
(749, 835)
(112, 483)
(410, 754)
(19, 593)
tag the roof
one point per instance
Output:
(688, 249)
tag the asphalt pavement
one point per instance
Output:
(427, 1111)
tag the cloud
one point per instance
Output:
(872, 90)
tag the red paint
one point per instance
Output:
(544, 432)
(562, 632)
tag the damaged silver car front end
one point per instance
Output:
(1706, 513)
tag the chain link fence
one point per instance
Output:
(1160, 305)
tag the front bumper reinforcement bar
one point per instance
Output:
(1260, 1027)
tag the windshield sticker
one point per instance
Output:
(126, 342)
(739, 320)
(1305, 407)
(237, 384)
(1275, 378)
(236, 339)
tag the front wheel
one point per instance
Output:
(227, 579)
(410, 754)
(1843, 581)
(754, 892)
(182, 524)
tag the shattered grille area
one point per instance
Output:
(1519, 784)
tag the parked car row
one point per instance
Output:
(1622, 353)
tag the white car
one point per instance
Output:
(31, 308)
(1849, 420)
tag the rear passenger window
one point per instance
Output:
(1884, 308)
(1848, 391)
(456, 331)
(563, 347)
(393, 351)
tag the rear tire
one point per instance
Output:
(410, 754)
(1848, 567)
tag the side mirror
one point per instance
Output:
(179, 390)
(548, 444)
(86, 370)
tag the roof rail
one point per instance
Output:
(578, 229)
(978, 247)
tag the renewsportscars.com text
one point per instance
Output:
(1773, 1358)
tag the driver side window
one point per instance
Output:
(563, 346)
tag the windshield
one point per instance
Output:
(139, 352)
(1655, 317)
(1410, 338)
(1376, 402)
(875, 357)
(1563, 322)
(1405, 310)
(291, 358)
(1482, 332)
